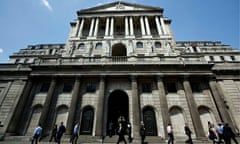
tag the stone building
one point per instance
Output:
(121, 59)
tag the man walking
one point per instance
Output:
(60, 132)
(170, 134)
(75, 135)
(188, 132)
(121, 133)
(37, 133)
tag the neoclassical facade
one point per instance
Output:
(121, 59)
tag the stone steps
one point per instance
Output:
(98, 140)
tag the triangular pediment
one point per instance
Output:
(120, 6)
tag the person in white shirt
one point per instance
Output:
(36, 134)
(170, 134)
(75, 135)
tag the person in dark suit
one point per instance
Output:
(142, 132)
(228, 134)
(121, 132)
(60, 132)
(188, 132)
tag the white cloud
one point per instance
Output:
(1, 50)
(47, 5)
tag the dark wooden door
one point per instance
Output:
(87, 122)
(150, 122)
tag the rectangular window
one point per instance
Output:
(146, 87)
(211, 58)
(45, 87)
(232, 58)
(171, 88)
(67, 87)
(196, 88)
(222, 58)
(91, 87)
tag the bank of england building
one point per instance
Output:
(121, 60)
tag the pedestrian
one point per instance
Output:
(129, 131)
(60, 132)
(212, 135)
(170, 134)
(220, 133)
(54, 134)
(75, 134)
(142, 132)
(188, 132)
(228, 134)
(121, 132)
(37, 134)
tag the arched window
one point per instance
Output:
(205, 116)
(98, 45)
(158, 45)
(139, 45)
(177, 120)
(81, 46)
(34, 118)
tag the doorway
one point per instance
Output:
(150, 121)
(118, 109)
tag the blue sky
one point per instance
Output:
(30, 22)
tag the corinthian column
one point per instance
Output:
(126, 27)
(91, 27)
(147, 26)
(163, 26)
(47, 103)
(142, 26)
(131, 26)
(193, 109)
(112, 26)
(163, 103)
(100, 108)
(81, 27)
(136, 107)
(73, 106)
(96, 27)
(107, 27)
(158, 25)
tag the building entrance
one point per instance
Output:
(118, 110)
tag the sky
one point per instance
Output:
(31, 22)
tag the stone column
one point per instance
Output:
(13, 126)
(158, 25)
(142, 26)
(91, 27)
(126, 27)
(163, 26)
(81, 27)
(147, 26)
(163, 104)
(96, 27)
(47, 103)
(100, 108)
(218, 99)
(77, 29)
(136, 107)
(112, 26)
(107, 27)
(193, 109)
(131, 26)
(73, 106)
